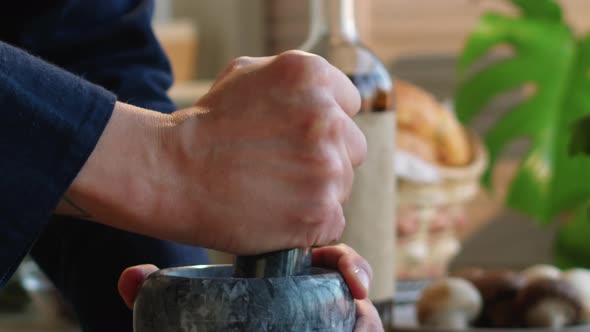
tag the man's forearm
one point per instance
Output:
(118, 171)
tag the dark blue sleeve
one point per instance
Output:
(50, 121)
(109, 43)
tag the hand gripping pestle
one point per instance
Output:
(278, 291)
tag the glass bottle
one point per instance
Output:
(370, 212)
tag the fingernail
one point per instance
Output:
(363, 277)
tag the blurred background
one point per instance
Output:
(419, 41)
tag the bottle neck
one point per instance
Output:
(333, 19)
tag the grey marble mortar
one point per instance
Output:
(207, 298)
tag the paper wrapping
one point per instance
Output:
(370, 212)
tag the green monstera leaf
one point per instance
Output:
(539, 9)
(572, 247)
(551, 178)
(545, 56)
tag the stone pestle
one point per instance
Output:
(283, 263)
(277, 291)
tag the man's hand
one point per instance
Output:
(262, 162)
(354, 268)
(358, 275)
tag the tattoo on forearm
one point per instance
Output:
(82, 213)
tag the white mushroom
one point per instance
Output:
(549, 303)
(541, 271)
(451, 303)
(579, 279)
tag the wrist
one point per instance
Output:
(117, 185)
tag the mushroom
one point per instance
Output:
(451, 303)
(549, 303)
(579, 279)
(498, 290)
(541, 271)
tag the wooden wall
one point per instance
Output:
(396, 28)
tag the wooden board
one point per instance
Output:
(395, 28)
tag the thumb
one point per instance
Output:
(131, 280)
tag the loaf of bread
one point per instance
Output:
(427, 129)
(417, 111)
(453, 145)
(407, 141)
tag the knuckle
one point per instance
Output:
(327, 166)
(319, 106)
(319, 122)
(302, 67)
(299, 59)
(333, 168)
(319, 212)
(318, 147)
(324, 209)
(337, 124)
(325, 225)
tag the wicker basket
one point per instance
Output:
(429, 215)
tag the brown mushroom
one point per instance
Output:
(550, 303)
(541, 271)
(498, 290)
(579, 279)
(451, 303)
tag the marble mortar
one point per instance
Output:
(209, 298)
